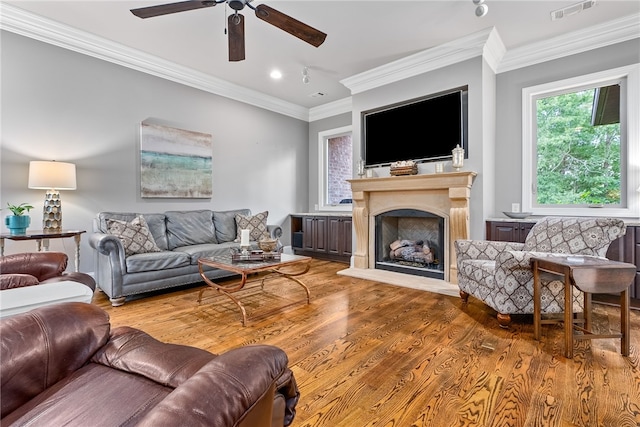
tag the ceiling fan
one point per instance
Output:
(236, 21)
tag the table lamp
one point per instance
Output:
(52, 176)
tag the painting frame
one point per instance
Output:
(175, 163)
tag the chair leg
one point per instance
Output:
(464, 296)
(504, 320)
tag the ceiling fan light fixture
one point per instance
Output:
(482, 10)
(276, 74)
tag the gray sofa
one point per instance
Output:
(182, 237)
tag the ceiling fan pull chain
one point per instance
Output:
(225, 18)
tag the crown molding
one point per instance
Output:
(330, 109)
(597, 36)
(431, 59)
(21, 22)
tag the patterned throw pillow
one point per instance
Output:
(134, 235)
(256, 224)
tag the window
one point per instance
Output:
(336, 167)
(581, 153)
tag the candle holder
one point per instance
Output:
(361, 170)
(245, 250)
(457, 161)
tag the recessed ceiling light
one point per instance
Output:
(276, 74)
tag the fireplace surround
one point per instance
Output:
(445, 195)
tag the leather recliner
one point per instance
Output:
(33, 268)
(63, 365)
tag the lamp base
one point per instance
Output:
(52, 212)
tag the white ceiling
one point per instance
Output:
(361, 35)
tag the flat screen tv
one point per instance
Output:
(423, 129)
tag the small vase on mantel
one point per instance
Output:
(457, 161)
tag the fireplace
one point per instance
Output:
(410, 241)
(444, 196)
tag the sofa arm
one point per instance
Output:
(109, 262)
(483, 249)
(275, 231)
(132, 350)
(42, 346)
(42, 265)
(234, 389)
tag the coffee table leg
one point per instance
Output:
(223, 291)
(291, 276)
(624, 322)
(536, 301)
(568, 317)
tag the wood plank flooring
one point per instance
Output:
(371, 354)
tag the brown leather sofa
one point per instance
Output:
(32, 268)
(63, 365)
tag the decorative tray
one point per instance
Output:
(404, 170)
(265, 256)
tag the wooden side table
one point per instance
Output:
(591, 275)
(42, 240)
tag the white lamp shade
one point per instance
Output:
(52, 175)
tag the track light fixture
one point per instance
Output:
(481, 8)
(305, 75)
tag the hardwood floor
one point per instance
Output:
(371, 354)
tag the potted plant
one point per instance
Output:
(18, 222)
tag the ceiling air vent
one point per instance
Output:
(316, 94)
(572, 10)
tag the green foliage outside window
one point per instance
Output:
(577, 163)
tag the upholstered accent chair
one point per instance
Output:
(500, 275)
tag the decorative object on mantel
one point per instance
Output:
(405, 167)
(439, 167)
(518, 215)
(457, 161)
(52, 176)
(361, 168)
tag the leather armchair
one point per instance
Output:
(500, 275)
(63, 365)
(32, 268)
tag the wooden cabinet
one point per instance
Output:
(339, 236)
(502, 231)
(625, 249)
(322, 236)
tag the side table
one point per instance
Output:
(42, 240)
(591, 275)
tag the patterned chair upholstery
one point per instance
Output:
(499, 273)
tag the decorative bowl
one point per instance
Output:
(267, 245)
(518, 215)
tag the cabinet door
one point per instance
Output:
(320, 234)
(339, 238)
(308, 233)
(508, 231)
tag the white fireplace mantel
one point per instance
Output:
(443, 194)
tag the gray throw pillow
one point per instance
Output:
(256, 224)
(134, 235)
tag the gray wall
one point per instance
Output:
(509, 112)
(61, 105)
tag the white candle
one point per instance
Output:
(244, 237)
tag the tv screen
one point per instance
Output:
(424, 129)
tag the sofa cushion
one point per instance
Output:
(155, 222)
(156, 261)
(256, 224)
(135, 235)
(225, 224)
(13, 280)
(195, 252)
(186, 228)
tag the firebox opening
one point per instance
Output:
(410, 241)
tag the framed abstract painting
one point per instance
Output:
(175, 163)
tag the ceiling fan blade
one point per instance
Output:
(236, 37)
(166, 9)
(292, 26)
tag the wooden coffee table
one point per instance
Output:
(591, 275)
(280, 268)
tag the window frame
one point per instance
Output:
(629, 133)
(323, 167)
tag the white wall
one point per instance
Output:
(60, 105)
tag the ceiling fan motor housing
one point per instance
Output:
(236, 4)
